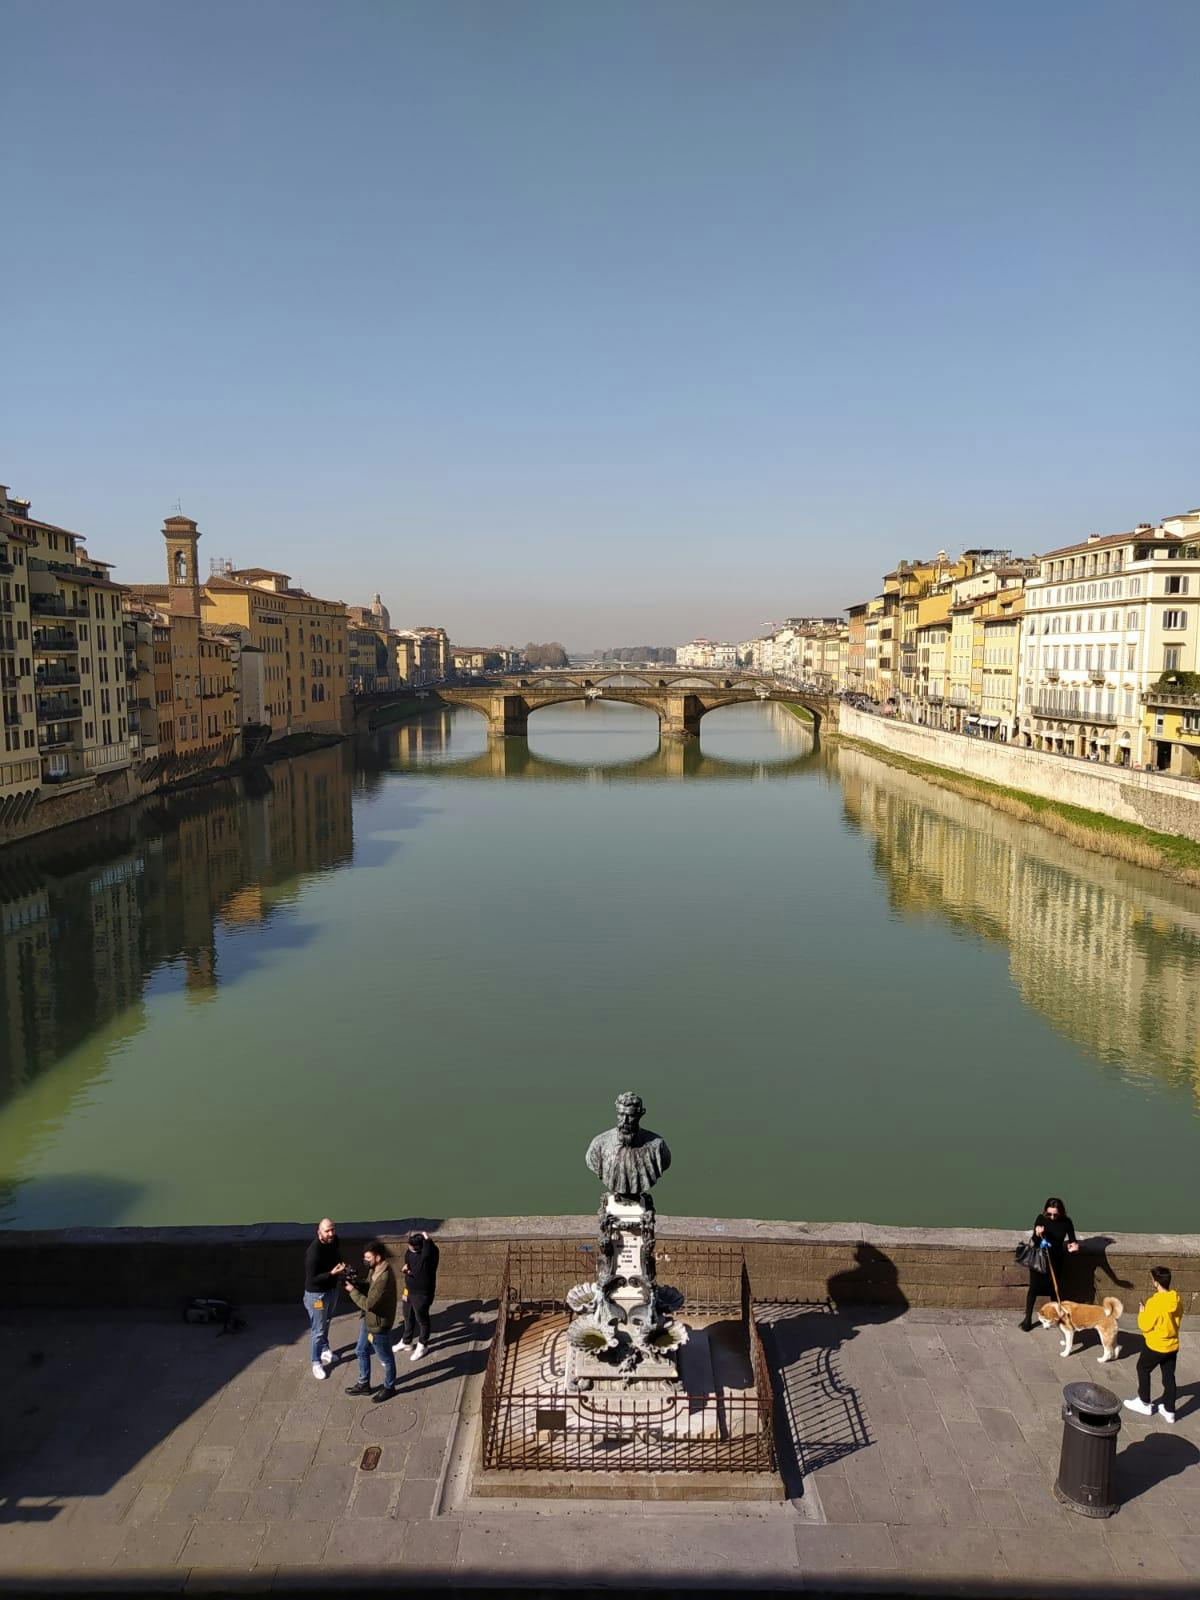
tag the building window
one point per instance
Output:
(1177, 584)
(1172, 655)
(1174, 620)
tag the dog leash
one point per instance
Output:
(1058, 1299)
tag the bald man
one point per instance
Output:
(323, 1272)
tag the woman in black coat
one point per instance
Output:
(1053, 1229)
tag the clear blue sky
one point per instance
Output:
(607, 320)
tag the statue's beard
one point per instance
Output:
(627, 1136)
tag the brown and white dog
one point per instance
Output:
(1070, 1318)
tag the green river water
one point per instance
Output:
(409, 977)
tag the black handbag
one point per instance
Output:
(1030, 1255)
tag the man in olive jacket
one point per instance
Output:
(375, 1296)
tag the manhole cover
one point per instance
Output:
(389, 1420)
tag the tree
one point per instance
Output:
(546, 655)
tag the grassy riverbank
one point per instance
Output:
(801, 713)
(1124, 841)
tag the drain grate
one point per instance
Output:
(370, 1458)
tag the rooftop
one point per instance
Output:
(1139, 535)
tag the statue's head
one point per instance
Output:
(630, 1112)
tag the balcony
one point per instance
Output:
(12, 719)
(958, 697)
(59, 737)
(54, 641)
(53, 605)
(1169, 697)
(1059, 714)
(53, 708)
(60, 677)
(101, 758)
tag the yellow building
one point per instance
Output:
(998, 647)
(191, 672)
(1171, 719)
(302, 639)
(911, 583)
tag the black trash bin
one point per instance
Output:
(1091, 1423)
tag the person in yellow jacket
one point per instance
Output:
(1159, 1319)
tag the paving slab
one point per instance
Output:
(920, 1453)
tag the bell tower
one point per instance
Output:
(181, 535)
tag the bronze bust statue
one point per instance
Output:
(628, 1159)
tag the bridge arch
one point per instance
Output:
(680, 710)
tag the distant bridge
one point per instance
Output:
(681, 698)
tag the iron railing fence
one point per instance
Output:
(709, 1276)
(493, 1374)
(764, 1393)
(554, 1430)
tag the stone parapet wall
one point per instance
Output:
(1163, 804)
(965, 1268)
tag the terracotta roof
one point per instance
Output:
(1109, 540)
(48, 527)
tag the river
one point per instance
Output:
(409, 976)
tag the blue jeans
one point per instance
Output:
(320, 1308)
(381, 1343)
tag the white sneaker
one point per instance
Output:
(1166, 1416)
(1140, 1407)
(319, 1370)
(400, 1344)
(326, 1357)
(418, 1350)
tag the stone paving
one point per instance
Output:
(140, 1453)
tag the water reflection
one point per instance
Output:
(597, 743)
(1108, 954)
(89, 915)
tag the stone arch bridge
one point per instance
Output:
(680, 698)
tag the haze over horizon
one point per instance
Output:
(615, 324)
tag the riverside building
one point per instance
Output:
(302, 640)
(1111, 627)
(63, 681)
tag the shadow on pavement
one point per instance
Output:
(1151, 1460)
(821, 1416)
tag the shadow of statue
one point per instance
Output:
(869, 1291)
(820, 1417)
(1149, 1461)
(1088, 1275)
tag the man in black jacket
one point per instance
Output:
(323, 1273)
(420, 1284)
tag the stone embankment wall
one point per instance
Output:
(1166, 805)
(109, 792)
(157, 1268)
(114, 790)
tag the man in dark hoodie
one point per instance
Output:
(323, 1273)
(420, 1285)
